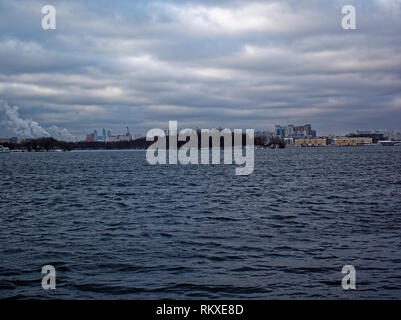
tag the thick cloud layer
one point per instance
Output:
(237, 64)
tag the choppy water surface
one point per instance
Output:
(116, 227)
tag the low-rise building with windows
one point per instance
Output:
(311, 142)
(352, 141)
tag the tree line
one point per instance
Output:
(48, 144)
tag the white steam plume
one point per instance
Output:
(27, 128)
(61, 134)
(20, 127)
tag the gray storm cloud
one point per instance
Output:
(242, 64)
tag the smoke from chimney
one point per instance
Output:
(27, 128)
(61, 134)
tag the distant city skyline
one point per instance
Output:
(15, 126)
(235, 64)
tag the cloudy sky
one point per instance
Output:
(236, 64)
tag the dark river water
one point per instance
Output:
(115, 227)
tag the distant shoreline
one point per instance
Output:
(53, 145)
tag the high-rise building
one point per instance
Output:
(108, 137)
(294, 132)
(279, 131)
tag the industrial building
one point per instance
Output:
(121, 137)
